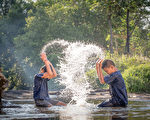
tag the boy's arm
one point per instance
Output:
(99, 71)
(53, 69)
(97, 68)
(101, 75)
(51, 73)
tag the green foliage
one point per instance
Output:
(124, 62)
(12, 25)
(17, 78)
(138, 78)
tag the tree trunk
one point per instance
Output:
(127, 48)
(111, 36)
(3, 84)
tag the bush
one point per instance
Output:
(138, 78)
(124, 62)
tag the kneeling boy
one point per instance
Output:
(116, 83)
(40, 92)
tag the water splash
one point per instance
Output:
(58, 41)
(73, 112)
(74, 65)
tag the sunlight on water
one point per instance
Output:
(20, 109)
(74, 112)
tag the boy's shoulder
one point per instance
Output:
(117, 73)
(118, 76)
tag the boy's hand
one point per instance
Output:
(45, 75)
(43, 56)
(99, 62)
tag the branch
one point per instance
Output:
(2, 8)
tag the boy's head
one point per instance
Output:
(43, 69)
(109, 66)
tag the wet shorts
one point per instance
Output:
(45, 103)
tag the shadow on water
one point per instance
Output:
(25, 109)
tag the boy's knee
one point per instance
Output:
(105, 104)
(42, 103)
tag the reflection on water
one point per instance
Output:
(26, 110)
(74, 112)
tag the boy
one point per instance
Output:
(116, 83)
(40, 93)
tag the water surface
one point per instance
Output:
(25, 109)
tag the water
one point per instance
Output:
(73, 66)
(25, 109)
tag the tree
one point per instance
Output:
(110, 9)
(12, 23)
(4, 7)
(135, 11)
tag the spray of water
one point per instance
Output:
(73, 67)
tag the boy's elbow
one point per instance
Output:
(50, 73)
(55, 75)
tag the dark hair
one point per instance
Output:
(44, 68)
(107, 63)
